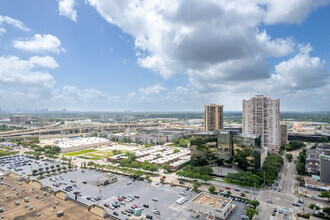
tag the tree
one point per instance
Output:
(255, 203)
(251, 212)
(240, 157)
(313, 206)
(325, 194)
(228, 193)
(243, 194)
(205, 178)
(327, 210)
(166, 167)
(196, 185)
(176, 151)
(289, 157)
(212, 189)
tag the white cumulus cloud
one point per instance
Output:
(66, 8)
(40, 44)
(46, 61)
(155, 89)
(23, 73)
(293, 11)
(11, 21)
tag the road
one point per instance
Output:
(287, 195)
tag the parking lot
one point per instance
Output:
(165, 194)
(23, 165)
(39, 205)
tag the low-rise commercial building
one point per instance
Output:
(19, 118)
(313, 158)
(159, 155)
(213, 206)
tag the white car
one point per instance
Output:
(279, 210)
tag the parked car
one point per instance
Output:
(295, 204)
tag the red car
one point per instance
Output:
(228, 188)
(119, 199)
(106, 205)
(135, 206)
(57, 185)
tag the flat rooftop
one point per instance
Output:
(42, 205)
(218, 202)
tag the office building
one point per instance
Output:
(19, 118)
(212, 205)
(284, 134)
(220, 145)
(325, 167)
(261, 115)
(213, 117)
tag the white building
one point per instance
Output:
(212, 205)
(261, 115)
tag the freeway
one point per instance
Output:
(75, 130)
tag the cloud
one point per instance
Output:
(192, 36)
(2, 31)
(22, 73)
(46, 61)
(10, 21)
(155, 89)
(293, 11)
(40, 44)
(300, 72)
(222, 47)
(66, 8)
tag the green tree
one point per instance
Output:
(327, 210)
(243, 194)
(251, 212)
(196, 185)
(240, 157)
(166, 167)
(313, 206)
(212, 189)
(289, 157)
(229, 193)
(176, 151)
(325, 194)
(255, 203)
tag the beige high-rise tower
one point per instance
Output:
(261, 115)
(213, 117)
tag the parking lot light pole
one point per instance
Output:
(155, 204)
(118, 190)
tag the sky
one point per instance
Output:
(163, 55)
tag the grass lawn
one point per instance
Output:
(79, 152)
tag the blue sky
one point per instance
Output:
(163, 55)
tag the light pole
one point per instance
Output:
(155, 203)
(118, 190)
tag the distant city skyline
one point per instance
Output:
(153, 55)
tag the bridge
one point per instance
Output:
(56, 129)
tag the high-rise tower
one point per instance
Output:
(261, 115)
(213, 117)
